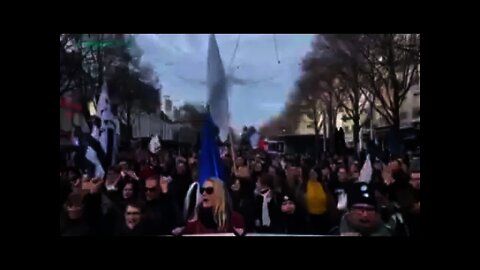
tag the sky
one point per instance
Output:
(180, 61)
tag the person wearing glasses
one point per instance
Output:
(214, 214)
(133, 222)
(161, 213)
(363, 217)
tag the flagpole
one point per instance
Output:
(233, 153)
(371, 117)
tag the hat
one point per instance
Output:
(361, 193)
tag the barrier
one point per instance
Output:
(253, 235)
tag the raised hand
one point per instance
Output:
(132, 175)
(387, 175)
(96, 184)
(178, 231)
(164, 184)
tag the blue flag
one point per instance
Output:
(210, 163)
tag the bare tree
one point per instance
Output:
(382, 67)
(347, 71)
(347, 81)
(392, 67)
(317, 83)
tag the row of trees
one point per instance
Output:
(347, 72)
(87, 60)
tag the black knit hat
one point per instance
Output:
(361, 193)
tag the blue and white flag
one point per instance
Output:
(108, 127)
(92, 156)
(217, 89)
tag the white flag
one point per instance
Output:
(217, 89)
(108, 127)
(366, 172)
(254, 140)
(342, 201)
(91, 155)
(154, 146)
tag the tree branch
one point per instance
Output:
(377, 93)
(373, 68)
(70, 79)
(320, 124)
(382, 113)
(410, 82)
(362, 106)
(406, 68)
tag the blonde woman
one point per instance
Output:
(214, 213)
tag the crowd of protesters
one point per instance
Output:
(146, 194)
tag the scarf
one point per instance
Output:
(265, 214)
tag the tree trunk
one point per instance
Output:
(356, 122)
(356, 131)
(317, 133)
(317, 146)
(356, 108)
(324, 132)
(394, 84)
(100, 66)
(84, 102)
(129, 125)
(331, 126)
(396, 116)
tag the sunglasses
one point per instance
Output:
(209, 190)
(133, 213)
(150, 189)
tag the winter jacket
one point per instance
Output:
(274, 214)
(162, 215)
(196, 226)
(122, 230)
(381, 230)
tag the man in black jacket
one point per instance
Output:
(161, 211)
(268, 218)
(181, 182)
